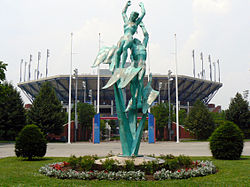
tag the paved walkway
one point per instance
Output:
(102, 149)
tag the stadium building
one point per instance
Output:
(190, 89)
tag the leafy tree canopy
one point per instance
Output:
(86, 112)
(238, 112)
(2, 71)
(46, 111)
(200, 121)
(160, 112)
(12, 113)
(219, 117)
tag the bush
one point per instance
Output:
(110, 164)
(226, 142)
(74, 161)
(150, 167)
(172, 164)
(184, 161)
(87, 162)
(30, 143)
(129, 165)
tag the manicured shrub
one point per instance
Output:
(172, 164)
(184, 161)
(110, 164)
(74, 161)
(129, 165)
(30, 143)
(87, 163)
(226, 142)
(149, 167)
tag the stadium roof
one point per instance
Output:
(190, 88)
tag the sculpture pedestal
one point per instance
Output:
(137, 160)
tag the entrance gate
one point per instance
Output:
(96, 127)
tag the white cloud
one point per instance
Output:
(212, 6)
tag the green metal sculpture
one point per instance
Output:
(141, 97)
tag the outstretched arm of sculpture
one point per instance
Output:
(143, 12)
(145, 33)
(124, 11)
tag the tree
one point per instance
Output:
(161, 114)
(12, 113)
(182, 116)
(200, 121)
(46, 111)
(238, 112)
(219, 118)
(86, 112)
(2, 71)
(30, 143)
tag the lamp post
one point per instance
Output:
(25, 64)
(90, 95)
(47, 59)
(84, 87)
(35, 74)
(30, 66)
(169, 106)
(38, 61)
(76, 118)
(202, 75)
(159, 97)
(214, 63)
(21, 63)
(218, 62)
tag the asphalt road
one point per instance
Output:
(104, 148)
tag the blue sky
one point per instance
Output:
(217, 27)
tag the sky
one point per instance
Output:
(220, 28)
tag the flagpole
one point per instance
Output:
(177, 99)
(69, 109)
(98, 81)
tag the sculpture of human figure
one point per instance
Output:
(138, 57)
(130, 27)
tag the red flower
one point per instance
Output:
(65, 163)
(179, 170)
(57, 167)
(186, 169)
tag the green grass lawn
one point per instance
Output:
(16, 172)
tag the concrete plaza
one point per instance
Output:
(102, 149)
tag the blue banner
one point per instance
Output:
(96, 129)
(151, 128)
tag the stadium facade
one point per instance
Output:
(190, 89)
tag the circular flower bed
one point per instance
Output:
(52, 170)
(63, 170)
(203, 168)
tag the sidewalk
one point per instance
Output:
(102, 149)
